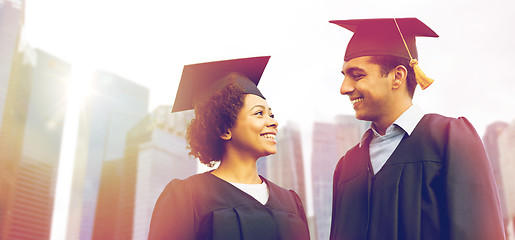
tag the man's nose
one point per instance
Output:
(347, 86)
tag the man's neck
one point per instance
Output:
(382, 124)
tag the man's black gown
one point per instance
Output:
(204, 206)
(437, 184)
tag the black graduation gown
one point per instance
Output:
(204, 206)
(437, 184)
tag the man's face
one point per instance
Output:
(369, 91)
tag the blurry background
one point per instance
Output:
(87, 141)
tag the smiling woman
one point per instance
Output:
(253, 134)
(234, 126)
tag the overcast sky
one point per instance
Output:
(150, 41)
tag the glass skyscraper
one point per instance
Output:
(491, 142)
(11, 22)
(155, 154)
(506, 146)
(157, 149)
(286, 167)
(112, 107)
(31, 136)
(330, 142)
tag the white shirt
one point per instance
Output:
(382, 146)
(257, 191)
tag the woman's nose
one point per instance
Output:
(273, 122)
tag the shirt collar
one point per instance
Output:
(408, 120)
(368, 132)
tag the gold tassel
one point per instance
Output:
(422, 80)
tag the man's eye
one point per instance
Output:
(358, 76)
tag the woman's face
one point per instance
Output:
(255, 128)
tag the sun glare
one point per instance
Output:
(78, 91)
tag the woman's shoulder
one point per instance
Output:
(286, 200)
(193, 180)
(184, 192)
(283, 195)
(274, 187)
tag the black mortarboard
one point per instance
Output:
(199, 81)
(387, 36)
(381, 36)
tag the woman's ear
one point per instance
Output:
(227, 135)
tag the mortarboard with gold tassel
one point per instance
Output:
(383, 36)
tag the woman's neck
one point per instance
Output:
(237, 169)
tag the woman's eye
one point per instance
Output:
(259, 113)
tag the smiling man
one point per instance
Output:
(413, 175)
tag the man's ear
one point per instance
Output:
(227, 135)
(400, 74)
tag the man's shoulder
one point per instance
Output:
(436, 131)
(434, 121)
(351, 155)
(352, 151)
(435, 118)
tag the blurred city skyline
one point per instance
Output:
(124, 156)
(149, 42)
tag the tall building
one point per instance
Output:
(506, 143)
(330, 142)
(11, 22)
(155, 154)
(157, 148)
(30, 138)
(491, 142)
(109, 217)
(286, 167)
(113, 106)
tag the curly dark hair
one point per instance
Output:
(387, 63)
(212, 119)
